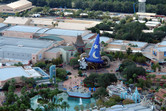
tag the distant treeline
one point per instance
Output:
(126, 6)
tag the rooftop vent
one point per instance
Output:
(20, 45)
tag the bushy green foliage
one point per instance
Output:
(74, 61)
(128, 68)
(128, 101)
(61, 73)
(40, 64)
(112, 101)
(102, 80)
(155, 6)
(18, 64)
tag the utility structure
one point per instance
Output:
(79, 44)
(141, 6)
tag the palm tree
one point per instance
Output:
(56, 106)
(82, 107)
(76, 108)
(60, 100)
(51, 106)
(65, 105)
(134, 76)
(158, 81)
(153, 76)
(46, 108)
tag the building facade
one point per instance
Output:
(15, 7)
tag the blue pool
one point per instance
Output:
(71, 101)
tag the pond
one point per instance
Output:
(70, 100)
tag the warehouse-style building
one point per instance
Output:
(15, 7)
(69, 36)
(25, 50)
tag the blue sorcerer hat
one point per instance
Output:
(94, 54)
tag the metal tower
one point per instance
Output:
(142, 4)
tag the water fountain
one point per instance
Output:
(80, 102)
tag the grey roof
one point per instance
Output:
(88, 36)
(120, 42)
(24, 42)
(102, 38)
(40, 30)
(2, 25)
(139, 44)
(55, 38)
(7, 73)
(19, 28)
(160, 49)
(16, 49)
(129, 107)
(65, 32)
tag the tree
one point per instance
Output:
(79, 72)
(87, 106)
(129, 68)
(130, 81)
(128, 101)
(91, 80)
(129, 51)
(36, 10)
(61, 73)
(46, 10)
(74, 61)
(153, 76)
(82, 107)
(92, 105)
(40, 64)
(6, 86)
(99, 103)
(134, 76)
(101, 92)
(106, 79)
(76, 108)
(65, 105)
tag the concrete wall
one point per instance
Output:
(17, 34)
(69, 39)
(160, 55)
(66, 55)
(51, 55)
(23, 7)
(18, 80)
(40, 55)
(6, 9)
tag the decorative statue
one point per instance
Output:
(82, 63)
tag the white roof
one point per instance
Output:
(16, 20)
(41, 21)
(32, 73)
(8, 73)
(18, 4)
(147, 31)
(146, 14)
(121, 42)
(151, 25)
(141, 21)
(153, 22)
(77, 25)
(129, 107)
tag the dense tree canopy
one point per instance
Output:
(102, 80)
(128, 68)
(156, 6)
